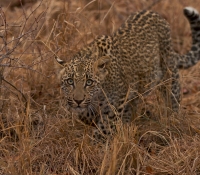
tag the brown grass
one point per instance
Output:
(38, 135)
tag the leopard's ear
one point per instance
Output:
(101, 67)
(60, 62)
(102, 62)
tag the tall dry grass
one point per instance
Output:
(38, 135)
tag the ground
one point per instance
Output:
(38, 134)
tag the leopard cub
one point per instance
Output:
(138, 56)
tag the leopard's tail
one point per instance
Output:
(193, 56)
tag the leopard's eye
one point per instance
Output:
(89, 82)
(70, 81)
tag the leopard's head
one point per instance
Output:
(81, 82)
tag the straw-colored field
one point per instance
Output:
(39, 136)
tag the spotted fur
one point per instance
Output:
(193, 56)
(102, 81)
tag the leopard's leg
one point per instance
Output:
(175, 90)
(105, 126)
(103, 131)
(128, 112)
(170, 91)
(110, 112)
(165, 99)
(103, 123)
(88, 117)
(122, 107)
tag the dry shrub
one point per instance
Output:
(38, 135)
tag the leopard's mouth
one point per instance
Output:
(77, 109)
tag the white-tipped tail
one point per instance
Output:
(191, 10)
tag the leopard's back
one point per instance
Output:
(141, 46)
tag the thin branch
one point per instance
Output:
(16, 90)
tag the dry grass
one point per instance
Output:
(38, 135)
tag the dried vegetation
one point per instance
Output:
(38, 135)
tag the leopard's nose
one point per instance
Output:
(78, 101)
